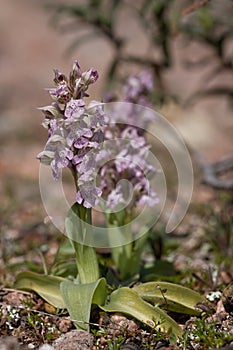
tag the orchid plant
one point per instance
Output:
(75, 132)
(101, 150)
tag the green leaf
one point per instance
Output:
(160, 269)
(65, 269)
(78, 299)
(48, 287)
(127, 301)
(172, 297)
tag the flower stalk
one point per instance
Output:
(126, 257)
(79, 222)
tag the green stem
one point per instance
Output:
(78, 222)
(87, 263)
(126, 257)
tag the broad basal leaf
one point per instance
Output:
(78, 299)
(170, 296)
(127, 301)
(48, 287)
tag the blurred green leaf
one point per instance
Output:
(127, 258)
(206, 20)
(159, 268)
(65, 269)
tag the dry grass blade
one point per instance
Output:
(195, 5)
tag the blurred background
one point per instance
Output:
(186, 45)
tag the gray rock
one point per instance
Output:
(74, 340)
(9, 343)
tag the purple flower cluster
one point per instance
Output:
(127, 157)
(74, 129)
(138, 87)
(136, 92)
(126, 172)
(76, 141)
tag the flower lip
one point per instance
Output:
(74, 108)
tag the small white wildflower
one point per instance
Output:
(193, 336)
(51, 329)
(9, 325)
(14, 314)
(214, 296)
(8, 307)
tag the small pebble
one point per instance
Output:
(46, 347)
